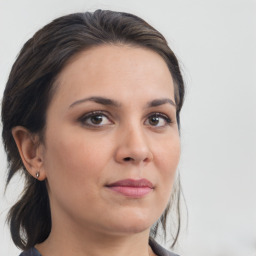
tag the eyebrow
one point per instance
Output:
(159, 102)
(110, 102)
(100, 100)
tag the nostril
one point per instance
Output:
(127, 159)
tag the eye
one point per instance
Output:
(158, 120)
(95, 119)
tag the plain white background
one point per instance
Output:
(215, 42)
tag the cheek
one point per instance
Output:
(168, 151)
(167, 155)
(73, 161)
(74, 167)
(167, 159)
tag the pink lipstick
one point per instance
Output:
(132, 188)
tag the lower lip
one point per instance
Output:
(134, 192)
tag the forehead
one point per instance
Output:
(110, 69)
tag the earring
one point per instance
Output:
(37, 174)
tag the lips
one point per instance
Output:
(132, 188)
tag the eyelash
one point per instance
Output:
(87, 116)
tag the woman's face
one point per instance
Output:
(111, 141)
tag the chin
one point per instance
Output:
(132, 224)
(130, 229)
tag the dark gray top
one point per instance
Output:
(31, 252)
(157, 249)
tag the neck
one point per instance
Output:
(85, 241)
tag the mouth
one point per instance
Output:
(132, 188)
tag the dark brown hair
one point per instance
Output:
(29, 90)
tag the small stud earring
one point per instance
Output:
(37, 174)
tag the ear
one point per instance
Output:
(31, 151)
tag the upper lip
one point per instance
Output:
(131, 183)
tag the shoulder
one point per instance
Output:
(30, 252)
(159, 250)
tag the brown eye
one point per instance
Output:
(153, 120)
(95, 119)
(158, 120)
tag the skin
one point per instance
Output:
(79, 156)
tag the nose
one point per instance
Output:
(133, 148)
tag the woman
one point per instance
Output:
(90, 116)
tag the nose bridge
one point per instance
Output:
(134, 137)
(133, 144)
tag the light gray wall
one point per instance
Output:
(215, 42)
